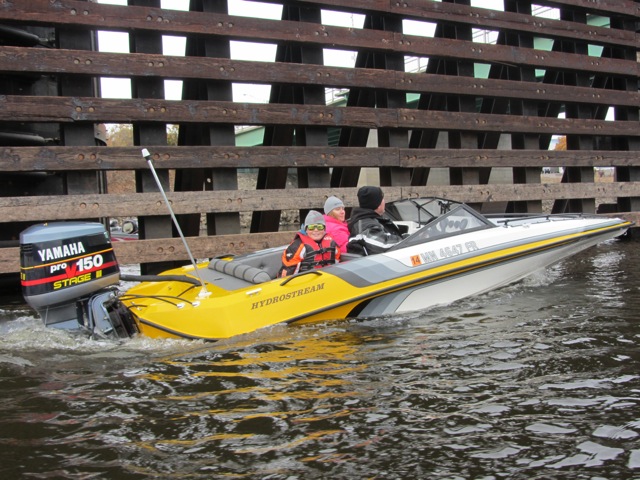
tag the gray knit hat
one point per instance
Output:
(313, 218)
(331, 203)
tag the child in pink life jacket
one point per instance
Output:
(334, 217)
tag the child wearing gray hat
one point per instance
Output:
(311, 247)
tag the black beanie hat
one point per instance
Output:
(370, 197)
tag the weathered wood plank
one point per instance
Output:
(48, 208)
(415, 158)
(52, 159)
(105, 17)
(449, 13)
(42, 208)
(89, 109)
(53, 61)
(170, 249)
(623, 8)
(516, 192)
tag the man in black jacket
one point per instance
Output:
(369, 231)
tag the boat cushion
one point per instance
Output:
(240, 270)
(269, 260)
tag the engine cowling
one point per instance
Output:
(62, 266)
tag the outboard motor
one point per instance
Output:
(68, 272)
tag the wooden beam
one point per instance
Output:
(490, 19)
(68, 207)
(97, 110)
(74, 62)
(60, 159)
(74, 14)
(172, 249)
(444, 12)
(603, 7)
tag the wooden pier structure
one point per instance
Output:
(476, 122)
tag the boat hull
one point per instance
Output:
(452, 285)
(404, 280)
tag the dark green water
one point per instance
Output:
(538, 380)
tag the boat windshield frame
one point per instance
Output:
(454, 218)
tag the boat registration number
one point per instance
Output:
(447, 251)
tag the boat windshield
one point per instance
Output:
(438, 218)
(419, 210)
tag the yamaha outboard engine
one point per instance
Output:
(68, 272)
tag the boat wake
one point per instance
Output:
(26, 342)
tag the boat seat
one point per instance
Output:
(255, 267)
(259, 267)
(239, 270)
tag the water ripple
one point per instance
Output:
(538, 380)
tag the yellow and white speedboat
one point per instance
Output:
(451, 252)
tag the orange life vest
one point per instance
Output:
(308, 254)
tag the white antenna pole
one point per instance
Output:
(147, 156)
